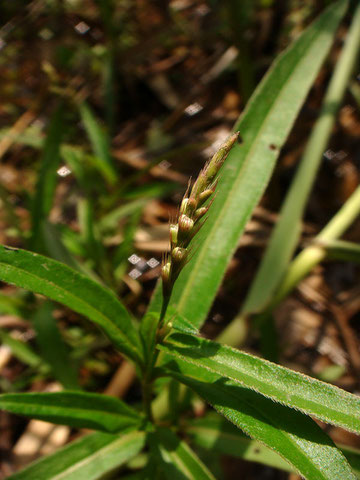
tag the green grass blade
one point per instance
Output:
(88, 458)
(53, 348)
(293, 435)
(264, 127)
(213, 432)
(100, 143)
(177, 460)
(60, 283)
(286, 233)
(76, 409)
(47, 178)
(311, 396)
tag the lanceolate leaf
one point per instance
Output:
(178, 461)
(293, 435)
(64, 285)
(86, 459)
(81, 410)
(215, 433)
(281, 384)
(264, 127)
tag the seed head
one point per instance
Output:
(191, 210)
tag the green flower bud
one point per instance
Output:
(188, 206)
(186, 224)
(174, 234)
(200, 185)
(179, 254)
(200, 212)
(205, 195)
(183, 205)
(165, 272)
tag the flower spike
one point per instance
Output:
(192, 209)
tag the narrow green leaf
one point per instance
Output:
(53, 348)
(215, 433)
(178, 461)
(311, 396)
(100, 143)
(286, 232)
(76, 409)
(88, 458)
(47, 177)
(293, 435)
(64, 285)
(264, 127)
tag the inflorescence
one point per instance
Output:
(192, 210)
